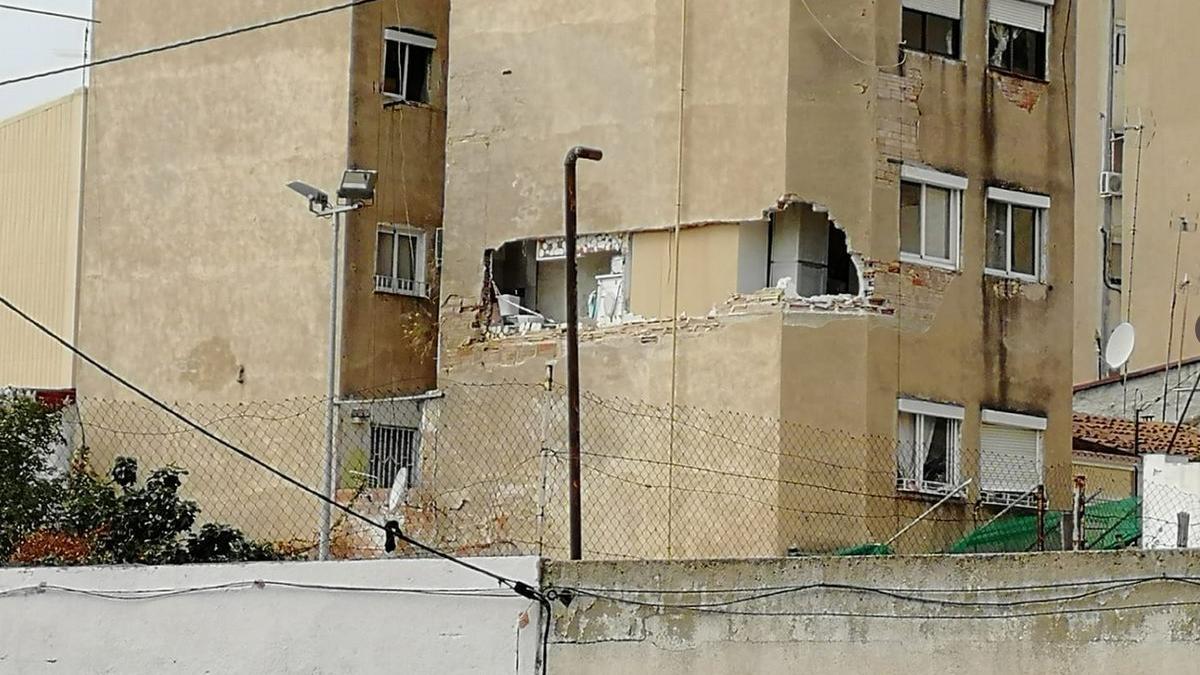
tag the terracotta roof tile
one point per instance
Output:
(1097, 433)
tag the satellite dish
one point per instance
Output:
(1120, 346)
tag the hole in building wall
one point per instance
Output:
(809, 255)
(528, 280)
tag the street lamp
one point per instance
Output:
(356, 189)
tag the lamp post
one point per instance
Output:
(573, 451)
(357, 188)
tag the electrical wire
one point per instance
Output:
(518, 587)
(188, 42)
(842, 47)
(44, 12)
(160, 593)
(723, 607)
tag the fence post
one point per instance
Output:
(1041, 517)
(1181, 537)
(1080, 538)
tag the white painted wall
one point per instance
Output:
(271, 629)
(1170, 485)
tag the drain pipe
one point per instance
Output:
(573, 452)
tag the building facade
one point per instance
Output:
(856, 216)
(41, 165)
(1138, 230)
(205, 279)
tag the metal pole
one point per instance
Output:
(331, 391)
(1041, 517)
(573, 451)
(1181, 537)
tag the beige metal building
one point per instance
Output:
(41, 164)
(1138, 225)
(863, 210)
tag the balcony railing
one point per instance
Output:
(398, 286)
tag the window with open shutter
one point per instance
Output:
(1017, 36)
(933, 26)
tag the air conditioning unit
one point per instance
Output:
(1110, 184)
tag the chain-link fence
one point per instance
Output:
(482, 469)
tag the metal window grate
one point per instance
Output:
(392, 449)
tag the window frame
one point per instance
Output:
(953, 415)
(1047, 21)
(1034, 423)
(957, 54)
(957, 186)
(1041, 207)
(406, 38)
(416, 287)
(400, 434)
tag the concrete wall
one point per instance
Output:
(197, 260)
(41, 155)
(253, 629)
(824, 630)
(1170, 485)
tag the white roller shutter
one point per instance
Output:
(947, 8)
(1009, 458)
(1019, 13)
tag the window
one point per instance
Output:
(407, 56)
(933, 26)
(1017, 36)
(400, 261)
(930, 216)
(1010, 457)
(393, 449)
(1016, 233)
(1119, 46)
(928, 439)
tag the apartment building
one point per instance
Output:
(850, 215)
(1138, 226)
(205, 279)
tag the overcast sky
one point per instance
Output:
(30, 44)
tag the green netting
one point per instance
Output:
(866, 549)
(1112, 525)
(1008, 535)
(1107, 525)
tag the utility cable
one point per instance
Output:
(143, 594)
(188, 42)
(391, 528)
(44, 12)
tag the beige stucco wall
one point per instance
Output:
(197, 260)
(823, 630)
(1111, 480)
(41, 154)
(613, 82)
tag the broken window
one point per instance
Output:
(400, 261)
(1015, 233)
(810, 251)
(1017, 37)
(407, 56)
(930, 216)
(932, 26)
(928, 443)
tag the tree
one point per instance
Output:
(76, 516)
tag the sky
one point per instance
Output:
(30, 44)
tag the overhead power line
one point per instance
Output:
(43, 12)
(189, 42)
